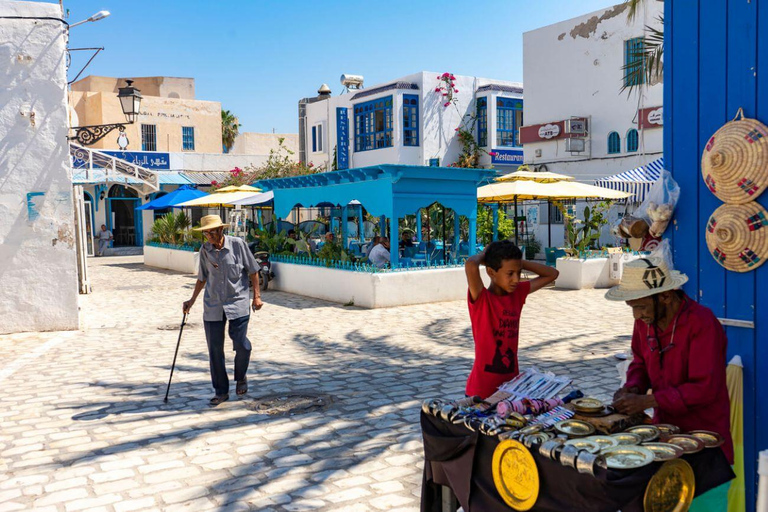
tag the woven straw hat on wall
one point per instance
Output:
(737, 236)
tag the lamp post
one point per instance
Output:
(130, 102)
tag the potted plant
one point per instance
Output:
(581, 269)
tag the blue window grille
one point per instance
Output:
(614, 143)
(319, 137)
(632, 141)
(434, 162)
(188, 138)
(482, 122)
(509, 119)
(148, 137)
(314, 139)
(634, 50)
(373, 124)
(410, 120)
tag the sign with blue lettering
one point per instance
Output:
(507, 156)
(146, 159)
(342, 138)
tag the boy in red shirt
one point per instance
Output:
(495, 312)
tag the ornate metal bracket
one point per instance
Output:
(87, 135)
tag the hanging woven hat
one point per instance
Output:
(737, 236)
(735, 162)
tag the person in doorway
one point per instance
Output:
(495, 312)
(379, 256)
(679, 361)
(226, 265)
(104, 237)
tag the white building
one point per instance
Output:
(573, 70)
(405, 121)
(37, 221)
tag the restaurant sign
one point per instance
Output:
(342, 138)
(145, 159)
(578, 127)
(652, 117)
(549, 131)
(507, 156)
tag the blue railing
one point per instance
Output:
(183, 247)
(364, 266)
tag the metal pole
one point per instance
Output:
(445, 241)
(549, 222)
(173, 365)
(517, 240)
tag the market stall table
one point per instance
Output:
(460, 459)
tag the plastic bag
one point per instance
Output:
(664, 252)
(659, 204)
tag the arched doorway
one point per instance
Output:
(122, 218)
(89, 221)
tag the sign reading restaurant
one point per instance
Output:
(507, 156)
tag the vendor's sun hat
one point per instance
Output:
(734, 163)
(737, 236)
(645, 277)
(209, 222)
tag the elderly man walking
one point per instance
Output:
(226, 265)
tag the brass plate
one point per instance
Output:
(689, 444)
(604, 441)
(664, 451)
(627, 438)
(671, 489)
(515, 475)
(648, 433)
(667, 429)
(575, 428)
(709, 438)
(585, 443)
(588, 405)
(627, 457)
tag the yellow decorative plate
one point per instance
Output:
(648, 433)
(664, 451)
(671, 488)
(604, 441)
(575, 428)
(588, 405)
(627, 456)
(689, 444)
(627, 438)
(585, 443)
(515, 475)
(709, 438)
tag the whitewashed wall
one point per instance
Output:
(37, 234)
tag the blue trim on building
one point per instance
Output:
(509, 119)
(614, 143)
(633, 62)
(187, 138)
(410, 120)
(314, 139)
(393, 86)
(633, 140)
(373, 124)
(500, 87)
(482, 122)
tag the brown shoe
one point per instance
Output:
(219, 399)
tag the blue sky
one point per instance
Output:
(259, 57)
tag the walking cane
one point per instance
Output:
(181, 329)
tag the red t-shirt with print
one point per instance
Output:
(495, 328)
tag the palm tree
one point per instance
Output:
(646, 64)
(230, 128)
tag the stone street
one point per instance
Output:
(83, 425)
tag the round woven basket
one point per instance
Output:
(737, 236)
(735, 162)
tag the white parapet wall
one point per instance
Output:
(372, 290)
(172, 259)
(37, 221)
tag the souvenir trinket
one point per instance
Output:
(604, 441)
(587, 462)
(667, 429)
(568, 456)
(627, 457)
(551, 449)
(575, 428)
(664, 451)
(709, 438)
(625, 438)
(647, 433)
(689, 444)
(584, 443)
(515, 475)
(671, 489)
(588, 405)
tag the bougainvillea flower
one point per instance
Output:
(492, 153)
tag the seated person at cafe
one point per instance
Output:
(370, 245)
(407, 239)
(330, 237)
(495, 312)
(379, 255)
(679, 360)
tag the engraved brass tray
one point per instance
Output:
(585, 443)
(689, 444)
(627, 438)
(709, 438)
(671, 489)
(627, 456)
(515, 475)
(604, 441)
(648, 433)
(575, 428)
(588, 405)
(664, 451)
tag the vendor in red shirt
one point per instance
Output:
(679, 350)
(495, 312)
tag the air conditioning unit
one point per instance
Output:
(576, 126)
(575, 145)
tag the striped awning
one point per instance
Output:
(635, 181)
(205, 178)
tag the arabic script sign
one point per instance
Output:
(146, 159)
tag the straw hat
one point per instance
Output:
(209, 222)
(737, 236)
(645, 277)
(735, 162)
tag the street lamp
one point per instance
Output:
(96, 17)
(130, 102)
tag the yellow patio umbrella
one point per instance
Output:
(540, 177)
(223, 197)
(735, 383)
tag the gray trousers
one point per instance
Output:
(214, 335)
(103, 244)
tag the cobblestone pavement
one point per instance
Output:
(83, 425)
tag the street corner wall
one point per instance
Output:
(39, 289)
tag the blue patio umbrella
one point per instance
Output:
(180, 195)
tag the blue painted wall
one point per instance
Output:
(716, 61)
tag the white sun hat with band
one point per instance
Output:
(209, 222)
(645, 277)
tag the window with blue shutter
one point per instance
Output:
(410, 120)
(373, 124)
(632, 141)
(509, 119)
(614, 143)
(188, 138)
(482, 122)
(314, 139)
(634, 50)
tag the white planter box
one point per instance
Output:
(576, 274)
(171, 259)
(374, 290)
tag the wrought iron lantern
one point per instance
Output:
(130, 102)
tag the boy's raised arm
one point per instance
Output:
(475, 282)
(546, 274)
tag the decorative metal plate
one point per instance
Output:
(627, 438)
(575, 428)
(515, 475)
(627, 457)
(671, 489)
(709, 438)
(585, 443)
(648, 433)
(667, 429)
(664, 451)
(604, 441)
(689, 444)
(588, 405)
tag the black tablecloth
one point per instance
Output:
(461, 459)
